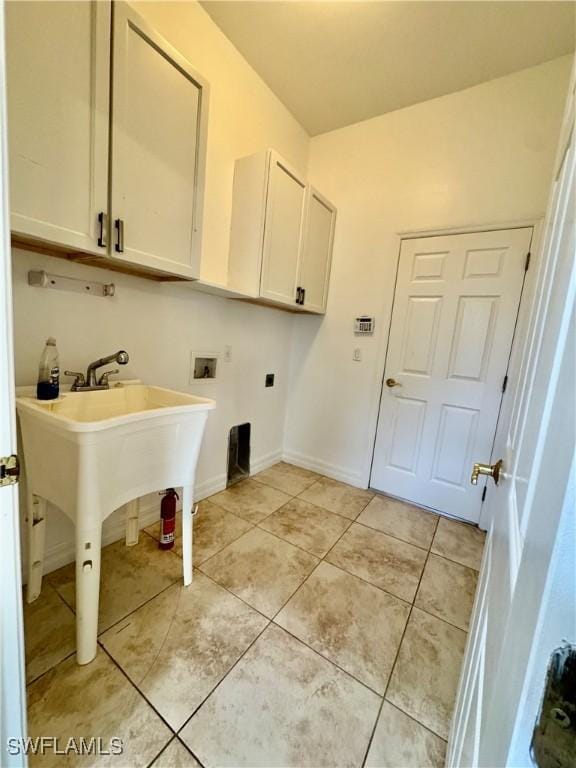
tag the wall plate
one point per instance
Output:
(364, 325)
(204, 367)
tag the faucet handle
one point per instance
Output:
(103, 380)
(79, 380)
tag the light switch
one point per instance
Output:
(357, 356)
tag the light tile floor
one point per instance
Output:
(325, 627)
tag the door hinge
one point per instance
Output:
(504, 383)
(9, 470)
(527, 262)
(484, 494)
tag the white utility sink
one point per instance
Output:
(90, 453)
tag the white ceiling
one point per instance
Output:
(334, 63)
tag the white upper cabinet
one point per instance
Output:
(281, 235)
(131, 200)
(159, 110)
(316, 258)
(58, 59)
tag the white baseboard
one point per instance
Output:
(218, 483)
(258, 465)
(64, 552)
(209, 487)
(323, 468)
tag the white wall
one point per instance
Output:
(483, 155)
(480, 155)
(159, 324)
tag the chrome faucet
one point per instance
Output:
(89, 382)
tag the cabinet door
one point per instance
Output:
(282, 233)
(317, 251)
(159, 116)
(58, 59)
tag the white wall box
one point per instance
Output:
(281, 235)
(111, 179)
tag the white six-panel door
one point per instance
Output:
(455, 309)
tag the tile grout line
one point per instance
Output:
(46, 671)
(276, 488)
(269, 621)
(391, 535)
(138, 691)
(426, 727)
(255, 525)
(410, 615)
(455, 562)
(135, 685)
(298, 497)
(325, 658)
(165, 747)
(219, 683)
(316, 504)
(232, 541)
(343, 570)
(252, 525)
(320, 560)
(99, 635)
(221, 586)
(393, 667)
(368, 583)
(127, 615)
(323, 559)
(286, 541)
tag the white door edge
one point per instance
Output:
(12, 675)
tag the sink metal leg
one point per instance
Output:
(36, 537)
(88, 544)
(187, 515)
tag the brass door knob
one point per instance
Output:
(392, 383)
(491, 470)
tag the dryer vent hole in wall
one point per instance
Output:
(238, 454)
(269, 380)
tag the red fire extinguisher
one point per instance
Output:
(168, 519)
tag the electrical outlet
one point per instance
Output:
(269, 380)
(357, 355)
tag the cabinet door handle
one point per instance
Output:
(119, 226)
(298, 293)
(303, 298)
(103, 225)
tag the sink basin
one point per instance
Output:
(90, 453)
(103, 409)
